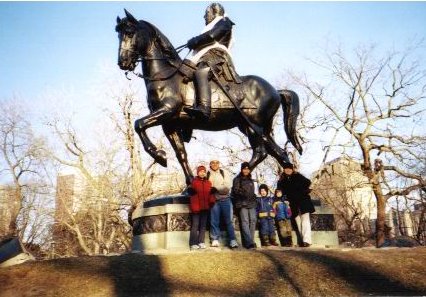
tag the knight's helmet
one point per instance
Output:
(215, 9)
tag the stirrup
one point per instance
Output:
(196, 112)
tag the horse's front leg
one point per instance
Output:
(179, 147)
(156, 118)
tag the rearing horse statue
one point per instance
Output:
(168, 91)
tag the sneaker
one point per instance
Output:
(202, 245)
(194, 247)
(215, 243)
(233, 244)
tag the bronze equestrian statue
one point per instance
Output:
(250, 105)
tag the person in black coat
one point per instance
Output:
(296, 187)
(244, 200)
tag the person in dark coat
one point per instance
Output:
(245, 203)
(296, 188)
(200, 202)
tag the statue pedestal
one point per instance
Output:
(164, 223)
(12, 252)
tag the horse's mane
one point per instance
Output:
(166, 46)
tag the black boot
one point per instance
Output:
(203, 95)
(287, 241)
(265, 240)
(273, 240)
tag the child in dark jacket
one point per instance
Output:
(282, 218)
(201, 201)
(266, 215)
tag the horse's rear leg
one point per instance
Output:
(154, 119)
(257, 145)
(276, 151)
(179, 147)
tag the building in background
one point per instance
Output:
(411, 223)
(9, 205)
(69, 195)
(68, 202)
(342, 185)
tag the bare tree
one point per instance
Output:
(140, 179)
(116, 178)
(376, 107)
(342, 185)
(23, 158)
(94, 216)
(137, 178)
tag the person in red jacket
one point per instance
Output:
(201, 201)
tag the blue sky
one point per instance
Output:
(52, 44)
(49, 46)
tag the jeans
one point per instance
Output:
(222, 208)
(267, 226)
(198, 227)
(248, 225)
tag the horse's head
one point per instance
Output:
(132, 43)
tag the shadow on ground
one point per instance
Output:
(364, 279)
(138, 275)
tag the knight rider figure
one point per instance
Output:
(211, 52)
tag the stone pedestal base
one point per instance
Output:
(164, 223)
(180, 240)
(12, 252)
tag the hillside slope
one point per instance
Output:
(278, 272)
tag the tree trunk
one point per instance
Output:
(381, 218)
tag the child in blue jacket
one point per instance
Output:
(266, 215)
(282, 218)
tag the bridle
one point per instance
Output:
(141, 58)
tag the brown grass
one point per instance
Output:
(278, 272)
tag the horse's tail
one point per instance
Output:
(291, 108)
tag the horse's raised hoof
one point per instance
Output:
(160, 158)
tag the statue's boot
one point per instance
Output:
(203, 95)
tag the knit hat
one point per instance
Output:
(245, 165)
(265, 187)
(199, 168)
(288, 165)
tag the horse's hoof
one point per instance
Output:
(160, 158)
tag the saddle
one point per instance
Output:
(226, 75)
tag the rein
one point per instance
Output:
(153, 78)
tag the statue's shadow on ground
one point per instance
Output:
(363, 278)
(138, 275)
(141, 275)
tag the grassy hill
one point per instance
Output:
(264, 272)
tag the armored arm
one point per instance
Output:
(223, 27)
